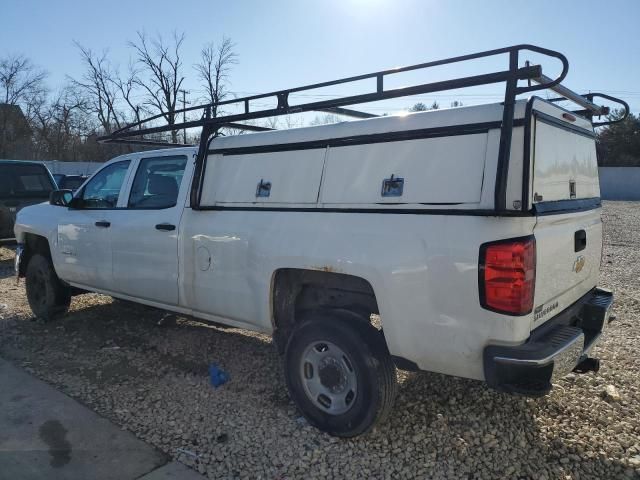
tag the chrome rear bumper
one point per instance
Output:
(553, 350)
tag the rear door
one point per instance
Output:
(144, 235)
(566, 198)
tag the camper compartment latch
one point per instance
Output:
(263, 189)
(392, 186)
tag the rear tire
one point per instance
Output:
(340, 374)
(48, 297)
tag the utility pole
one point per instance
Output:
(184, 114)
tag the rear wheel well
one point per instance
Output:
(298, 291)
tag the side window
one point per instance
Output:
(103, 189)
(157, 182)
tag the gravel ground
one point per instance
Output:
(149, 375)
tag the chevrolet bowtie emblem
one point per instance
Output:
(579, 264)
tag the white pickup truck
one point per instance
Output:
(463, 241)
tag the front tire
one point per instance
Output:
(340, 374)
(48, 297)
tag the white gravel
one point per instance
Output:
(152, 379)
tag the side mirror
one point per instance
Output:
(60, 198)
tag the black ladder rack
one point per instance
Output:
(135, 132)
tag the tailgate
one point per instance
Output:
(568, 228)
(568, 249)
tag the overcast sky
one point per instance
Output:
(289, 43)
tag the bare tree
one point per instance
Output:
(99, 86)
(214, 69)
(60, 125)
(325, 119)
(292, 122)
(20, 80)
(128, 89)
(162, 66)
(21, 86)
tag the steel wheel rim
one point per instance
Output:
(328, 377)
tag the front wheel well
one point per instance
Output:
(33, 244)
(296, 292)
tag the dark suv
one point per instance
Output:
(21, 184)
(69, 182)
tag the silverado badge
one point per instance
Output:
(579, 264)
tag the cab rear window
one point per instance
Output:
(24, 180)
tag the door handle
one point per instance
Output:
(166, 227)
(103, 224)
(580, 240)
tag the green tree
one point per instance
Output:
(619, 143)
(421, 107)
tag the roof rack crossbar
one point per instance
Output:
(573, 96)
(147, 142)
(129, 137)
(348, 112)
(247, 127)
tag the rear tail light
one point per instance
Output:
(507, 275)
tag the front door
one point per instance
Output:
(144, 236)
(84, 232)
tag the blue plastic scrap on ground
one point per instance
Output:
(217, 375)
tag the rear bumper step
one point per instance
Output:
(554, 349)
